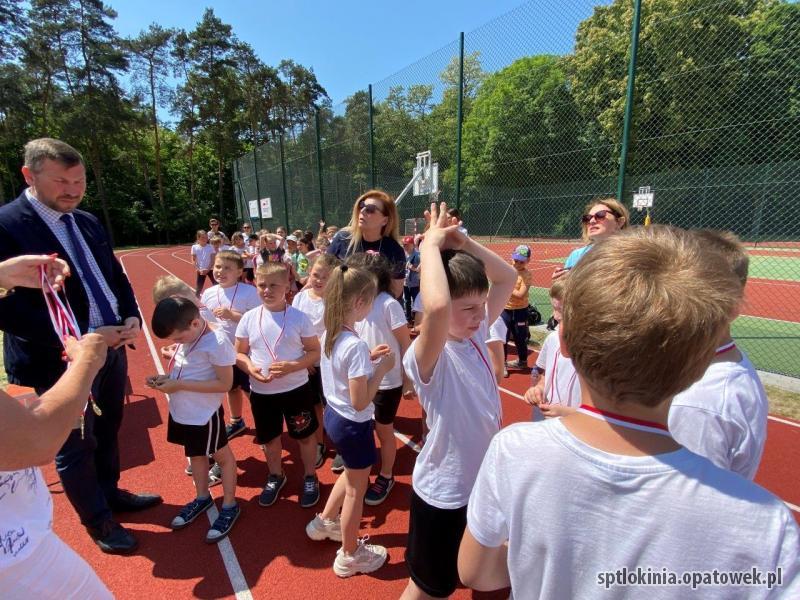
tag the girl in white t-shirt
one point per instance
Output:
(202, 256)
(557, 391)
(385, 325)
(350, 380)
(311, 301)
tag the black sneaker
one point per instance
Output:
(337, 466)
(223, 524)
(235, 428)
(310, 495)
(379, 490)
(191, 511)
(269, 494)
(321, 450)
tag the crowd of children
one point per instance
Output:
(648, 420)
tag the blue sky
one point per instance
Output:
(348, 43)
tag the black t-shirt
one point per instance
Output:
(389, 247)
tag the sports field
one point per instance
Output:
(769, 326)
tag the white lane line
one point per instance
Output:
(794, 507)
(232, 566)
(179, 258)
(408, 441)
(163, 268)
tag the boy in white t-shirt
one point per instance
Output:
(311, 301)
(450, 368)
(202, 256)
(276, 344)
(638, 501)
(228, 301)
(557, 391)
(724, 415)
(200, 373)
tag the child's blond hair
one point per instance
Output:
(168, 286)
(346, 286)
(643, 312)
(730, 247)
(557, 288)
(230, 256)
(270, 268)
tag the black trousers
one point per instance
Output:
(517, 323)
(89, 467)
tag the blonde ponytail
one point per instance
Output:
(345, 286)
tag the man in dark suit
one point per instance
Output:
(45, 219)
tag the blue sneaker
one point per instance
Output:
(191, 511)
(270, 492)
(235, 428)
(223, 524)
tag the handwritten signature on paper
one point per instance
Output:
(13, 541)
(11, 480)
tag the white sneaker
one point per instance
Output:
(366, 559)
(324, 529)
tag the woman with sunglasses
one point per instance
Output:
(374, 228)
(600, 219)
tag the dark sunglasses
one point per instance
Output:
(600, 215)
(369, 208)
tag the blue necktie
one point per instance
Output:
(109, 318)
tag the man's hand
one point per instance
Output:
(130, 329)
(112, 334)
(23, 271)
(91, 349)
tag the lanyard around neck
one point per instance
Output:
(624, 421)
(186, 355)
(272, 350)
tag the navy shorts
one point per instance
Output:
(354, 441)
(241, 380)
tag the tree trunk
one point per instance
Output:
(159, 179)
(219, 185)
(97, 169)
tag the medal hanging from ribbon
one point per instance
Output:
(65, 325)
(271, 350)
(186, 354)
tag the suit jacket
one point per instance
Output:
(31, 348)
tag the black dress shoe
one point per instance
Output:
(113, 538)
(127, 502)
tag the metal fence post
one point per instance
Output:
(258, 192)
(371, 143)
(459, 117)
(283, 180)
(319, 167)
(626, 125)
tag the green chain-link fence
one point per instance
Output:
(713, 115)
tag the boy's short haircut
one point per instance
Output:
(252, 237)
(173, 314)
(271, 268)
(643, 312)
(169, 285)
(454, 212)
(230, 256)
(200, 232)
(730, 246)
(215, 240)
(466, 274)
(557, 288)
(375, 264)
(237, 236)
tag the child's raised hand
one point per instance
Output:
(439, 233)
(379, 351)
(386, 361)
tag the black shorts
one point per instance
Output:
(199, 440)
(241, 380)
(386, 403)
(249, 274)
(315, 381)
(354, 440)
(296, 407)
(434, 536)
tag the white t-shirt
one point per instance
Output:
(240, 297)
(580, 511)
(561, 385)
(313, 308)
(197, 364)
(276, 334)
(462, 403)
(723, 416)
(203, 255)
(498, 332)
(349, 359)
(248, 262)
(26, 514)
(416, 305)
(386, 316)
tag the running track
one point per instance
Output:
(268, 554)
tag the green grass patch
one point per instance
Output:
(780, 268)
(772, 346)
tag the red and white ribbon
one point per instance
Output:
(623, 420)
(272, 350)
(188, 352)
